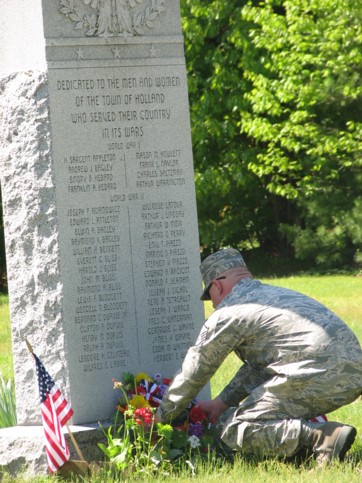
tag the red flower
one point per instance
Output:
(197, 415)
(166, 381)
(143, 416)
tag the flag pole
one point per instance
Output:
(75, 443)
(30, 348)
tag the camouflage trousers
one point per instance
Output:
(268, 421)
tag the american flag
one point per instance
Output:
(55, 412)
(319, 419)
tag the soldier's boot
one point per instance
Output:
(328, 441)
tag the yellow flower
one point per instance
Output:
(142, 375)
(139, 402)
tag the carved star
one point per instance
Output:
(80, 53)
(153, 51)
(116, 53)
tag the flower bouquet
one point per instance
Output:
(139, 444)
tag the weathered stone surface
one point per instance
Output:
(99, 201)
(31, 232)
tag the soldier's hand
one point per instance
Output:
(213, 408)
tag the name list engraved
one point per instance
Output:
(167, 277)
(159, 169)
(100, 307)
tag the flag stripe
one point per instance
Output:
(55, 412)
(52, 429)
(54, 436)
(63, 409)
(319, 419)
(52, 463)
(56, 446)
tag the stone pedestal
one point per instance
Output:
(22, 448)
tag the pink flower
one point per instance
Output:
(143, 416)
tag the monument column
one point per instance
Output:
(99, 201)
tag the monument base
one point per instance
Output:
(22, 450)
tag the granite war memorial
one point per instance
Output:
(98, 196)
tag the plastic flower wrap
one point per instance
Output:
(142, 376)
(138, 401)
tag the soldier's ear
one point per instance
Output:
(218, 286)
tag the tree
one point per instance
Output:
(276, 109)
(234, 206)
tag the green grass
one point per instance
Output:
(7, 404)
(340, 293)
(6, 359)
(241, 470)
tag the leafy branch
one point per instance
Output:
(88, 22)
(145, 19)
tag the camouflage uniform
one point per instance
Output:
(300, 360)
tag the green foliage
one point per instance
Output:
(7, 404)
(331, 235)
(137, 446)
(233, 206)
(305, 107)
(6, 356)
(275, 90)
(7, 395)
(3, 283)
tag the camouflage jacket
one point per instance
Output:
(274, 331)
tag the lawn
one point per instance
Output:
(340, 293)
(6, 360)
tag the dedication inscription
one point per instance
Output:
(129, 251)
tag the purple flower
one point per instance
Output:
(157, 377)
(162, 389)
(196, 429)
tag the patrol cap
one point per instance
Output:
(216, 264)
